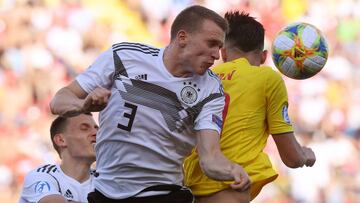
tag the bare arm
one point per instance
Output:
(292, 154)
(215, 165)
(55, 199)
(73, 100)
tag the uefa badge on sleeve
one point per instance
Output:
(285, 113)
(42, 187)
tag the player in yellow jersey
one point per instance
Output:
(256, 106)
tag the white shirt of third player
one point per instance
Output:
(50, 180)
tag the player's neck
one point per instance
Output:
(78, 170)
(250, 57)
(172, 64)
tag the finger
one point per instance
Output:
(102, 92)
(237, 178)
(88, 102)
(240, 185)
(248, 183)
(310, 162)
(102, 95)
(311, 158)
(99, 98)
(236, 186)
(96, 100)
(247, 186)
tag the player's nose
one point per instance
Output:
(94, 131)
(216, 54)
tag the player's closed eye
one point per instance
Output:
(85, 127)
(214, 43)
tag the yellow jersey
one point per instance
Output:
(256, 105)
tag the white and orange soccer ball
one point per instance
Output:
(299, 51)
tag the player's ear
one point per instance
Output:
(182, 36)
(263, 56)
(223, 54)
(59, 140)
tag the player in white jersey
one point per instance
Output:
(156, 105)
(73, 138)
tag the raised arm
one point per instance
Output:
(215, 165)
(73, 100)
(292, 154)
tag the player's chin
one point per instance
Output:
(91, 157)
(202, 70)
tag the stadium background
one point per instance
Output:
(45, 43)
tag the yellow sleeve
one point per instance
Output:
(277, 105)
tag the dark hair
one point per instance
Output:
(58, 126)
(245, 33)
(191, 19)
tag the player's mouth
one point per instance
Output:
(93, 142)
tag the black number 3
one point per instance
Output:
(130, 116)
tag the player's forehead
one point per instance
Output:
(210, 31)
(82, 119)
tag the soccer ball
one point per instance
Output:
(299, 51)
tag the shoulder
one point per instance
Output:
(270, 71)
(135, 49)
(212, 76)
(271, 74)
(39, 183)
(47, 171)
(211, 81)
(42, 177)
(220, 67)
(48, 168)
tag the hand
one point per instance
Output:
(242, 180)
(309, 156)
(96, 100)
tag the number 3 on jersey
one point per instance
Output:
(130, 116)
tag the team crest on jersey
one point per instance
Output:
(189, 93)
(285, 113)
(42, 187)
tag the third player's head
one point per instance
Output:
(74, 137)
(198, 34)
(245, 38)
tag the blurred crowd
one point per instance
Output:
(45, 43)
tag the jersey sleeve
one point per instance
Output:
(37, 186)
(210, 116)
(98, 74)
(277, 105)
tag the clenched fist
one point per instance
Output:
(310, 156)
(96, 100)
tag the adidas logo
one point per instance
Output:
(68, 194)
(141, 77)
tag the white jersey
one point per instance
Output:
(149, 124)
(51, 180)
